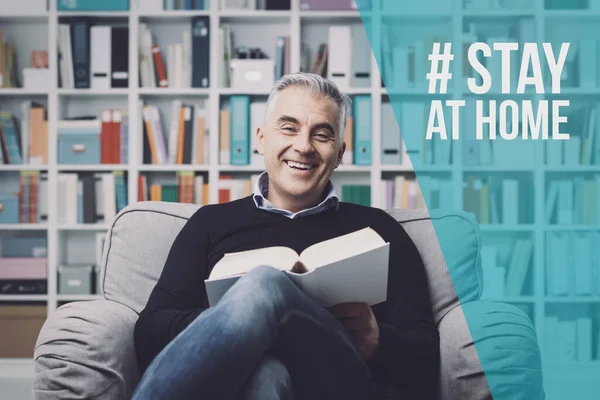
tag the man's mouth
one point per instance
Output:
(300, 166)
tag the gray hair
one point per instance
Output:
(318, 85)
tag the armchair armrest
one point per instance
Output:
(504, 338)
(85, 350)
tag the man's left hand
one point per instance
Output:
(359, 320)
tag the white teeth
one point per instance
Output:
(299, 165)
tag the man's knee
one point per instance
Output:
(267, 281)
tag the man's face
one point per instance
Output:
(301, 145)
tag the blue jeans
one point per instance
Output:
(265, 339)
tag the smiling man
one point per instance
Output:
(265, 339)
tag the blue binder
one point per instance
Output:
(93, 5)
(362, 135)
(240, 130)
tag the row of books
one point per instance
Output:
(28, 204)
(409, 121)
(572, 264)
(583, 145)
(93, 140)
(506, 274)
(522, 30)
(238, 124)
(494, 200)
(92, 56)
(8, 64)
(498, 4)
(567, 340)
(25, 142)
(404, 192)
(188, 135)
(90, 197)
(573, 201)
(188, 188)
(169, 5)
(186, 64)
(572, 4)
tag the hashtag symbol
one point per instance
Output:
(433, 76)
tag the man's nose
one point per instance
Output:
(302, 142)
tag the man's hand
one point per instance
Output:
(360, 322)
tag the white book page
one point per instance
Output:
(340, 248)
(232, 264)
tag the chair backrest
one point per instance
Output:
(139, 240)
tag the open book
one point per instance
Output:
(348, 268)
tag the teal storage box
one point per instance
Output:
(9, 208)
(79, 148)
(93, 5)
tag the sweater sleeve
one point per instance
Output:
(179, 295)
(408, 353)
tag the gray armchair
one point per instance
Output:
(85, 350)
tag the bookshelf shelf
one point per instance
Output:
(307, 15)
(22, 167)
(174, 15)
(23, 297)
(572, 228)
(512, 299)
(255, 16)
(174, 91)
(235, 91)
(494, 13)
(23, 227)
(88, 167)
(22, 92)
(93, 92)
(573, 168)
(495, 168)
(583, 14)
(93, 14)
(240, 168)
(173, 168)
(420, 169)
(84, 227)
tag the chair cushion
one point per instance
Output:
(449, 243)
(139, 240)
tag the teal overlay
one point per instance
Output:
(536, 325)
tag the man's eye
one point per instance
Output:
(288, 129)
(322, 136)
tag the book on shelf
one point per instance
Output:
(573, 201)
(331, 272)
(404, 192)
(497, 200)
(92, 56)
(23, 265)
(566, 249)
(93, 5)
(230, 189)
(180, 65)
(90, 197)
(27, 142)
(187, 188)
(149, 6)
(8, 64)
(357, 194)
(188, 135)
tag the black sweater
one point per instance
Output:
(408, 353)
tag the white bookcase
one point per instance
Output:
(301, 26)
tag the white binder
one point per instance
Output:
(101, 52)
(339, 61)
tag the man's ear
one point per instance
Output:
(260, 136)
(341, 152)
